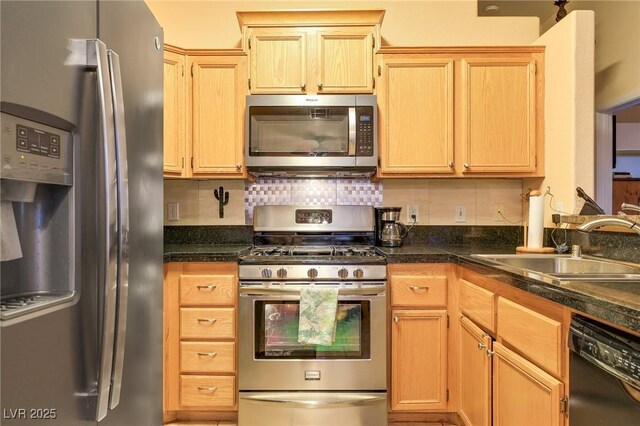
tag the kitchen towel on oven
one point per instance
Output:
(317, 322)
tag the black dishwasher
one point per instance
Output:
(604, 375)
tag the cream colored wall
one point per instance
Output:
(197, 204)
(437, 199)
(569, 111)
(213, 24)
(628, 136)
(617, 57)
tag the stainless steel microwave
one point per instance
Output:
(311, 136)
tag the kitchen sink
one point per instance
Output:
(561, 268)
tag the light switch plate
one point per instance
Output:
(461, 214)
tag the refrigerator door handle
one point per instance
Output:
(123, 226)
(107, 214)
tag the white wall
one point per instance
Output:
(569, 111)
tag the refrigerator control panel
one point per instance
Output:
(34, 152)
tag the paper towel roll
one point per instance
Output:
(536, 221)
(9, 241)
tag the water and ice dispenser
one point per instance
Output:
(37, 220)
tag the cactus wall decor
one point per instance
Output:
(223, 199)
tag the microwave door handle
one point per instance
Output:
(107, 223)
(352, 131)
(123, 226)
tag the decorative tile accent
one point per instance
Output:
(357, 192)
(311, 192)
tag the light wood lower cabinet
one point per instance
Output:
(200, 329)
(419, 360)
(419, 326)
(475, 371)
(524, 394)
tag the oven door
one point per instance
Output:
(272, 359)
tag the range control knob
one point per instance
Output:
(312, 273)
(343, 273)
(281, 273)
(358, 273)
(266, 273)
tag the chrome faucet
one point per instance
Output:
(627, 206)
(615, 221)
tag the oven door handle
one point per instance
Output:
(317, 401)
(259, 291)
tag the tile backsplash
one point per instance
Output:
(436, 199)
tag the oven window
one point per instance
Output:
(276, 325)
(301, 131)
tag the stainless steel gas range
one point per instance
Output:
(281, 381)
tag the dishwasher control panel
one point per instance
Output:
(613, 350)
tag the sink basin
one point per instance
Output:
(565, 268)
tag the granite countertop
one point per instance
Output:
(616, 302)
(203, 252)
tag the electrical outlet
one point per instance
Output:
(498, 212)
(413, 214)
(461, 214)
(173, 211)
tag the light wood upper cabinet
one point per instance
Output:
(218, 114)
(300, 52)
(499, 114)
(461, 111)
(524, 393)
(278, 61)
(175, 82)
(204, 100)
(415, 101)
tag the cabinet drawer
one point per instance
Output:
(536, 336)
(212, 323)
(415, 290)
(207, 391)
(207, 357)
(478, 304)
(207, 289)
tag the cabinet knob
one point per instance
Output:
(466, 165)
(238, 166)
(320, 86)
(490, 353)
(481, 346)
(396, 320)
(451, 164)
(303, 86)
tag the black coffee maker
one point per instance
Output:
(389, 231)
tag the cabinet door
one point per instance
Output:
(499, 115)
(174, 114)
(415, 99)
(218, 90)
(418, 360)
(523, 394)
(344, 60)
(475, 374)
(278, 61)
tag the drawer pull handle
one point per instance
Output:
(419, 287)
(209, 287)
(208, 354)
(208, 320)
(207, 389)
(481, 346)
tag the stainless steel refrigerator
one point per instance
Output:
(81, 196)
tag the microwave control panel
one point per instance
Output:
(34, 152)
(364, 131)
